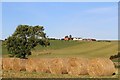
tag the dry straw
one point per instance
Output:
(42, 65)
(72, 66)
(64, 65)
(7, 63)
(23, 63)
(57, 66)
(17, 64)
(77, 66)
(101, 67)
(31, 64)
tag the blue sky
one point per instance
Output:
(60, 0)
(81, 19)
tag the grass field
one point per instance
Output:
(76, 49)
(62, 49)
(24, 74)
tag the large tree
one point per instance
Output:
(24, 39)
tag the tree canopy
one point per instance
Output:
(24, 39)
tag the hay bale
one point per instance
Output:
(37, 65)
(42, 65)
(19, 64)
(64, 66)
(56, 65)
(16, 64)
(7, 63)
(101, 67)
(77, 66)
(23, 63)
(31, 65)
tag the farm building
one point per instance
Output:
(68, 39)
(75, 38)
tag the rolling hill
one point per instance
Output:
(59, 48)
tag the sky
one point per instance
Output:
(60, 0)
(80, 19)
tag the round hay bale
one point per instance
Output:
(101, 67)
(16, 64)
(77, 66)
(42, 65)
(23, 63)
(56, 65)
(7, 63)
(64, 66)
(31, 65)
(19, 64)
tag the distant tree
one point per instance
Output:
(70, 36)
(66, 37)
(24, 39)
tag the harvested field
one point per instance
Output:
(101, 67)
(61, 49)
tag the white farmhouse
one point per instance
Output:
(77, 39)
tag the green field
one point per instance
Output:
(62, 49)
(76, 49)
(86, 49)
